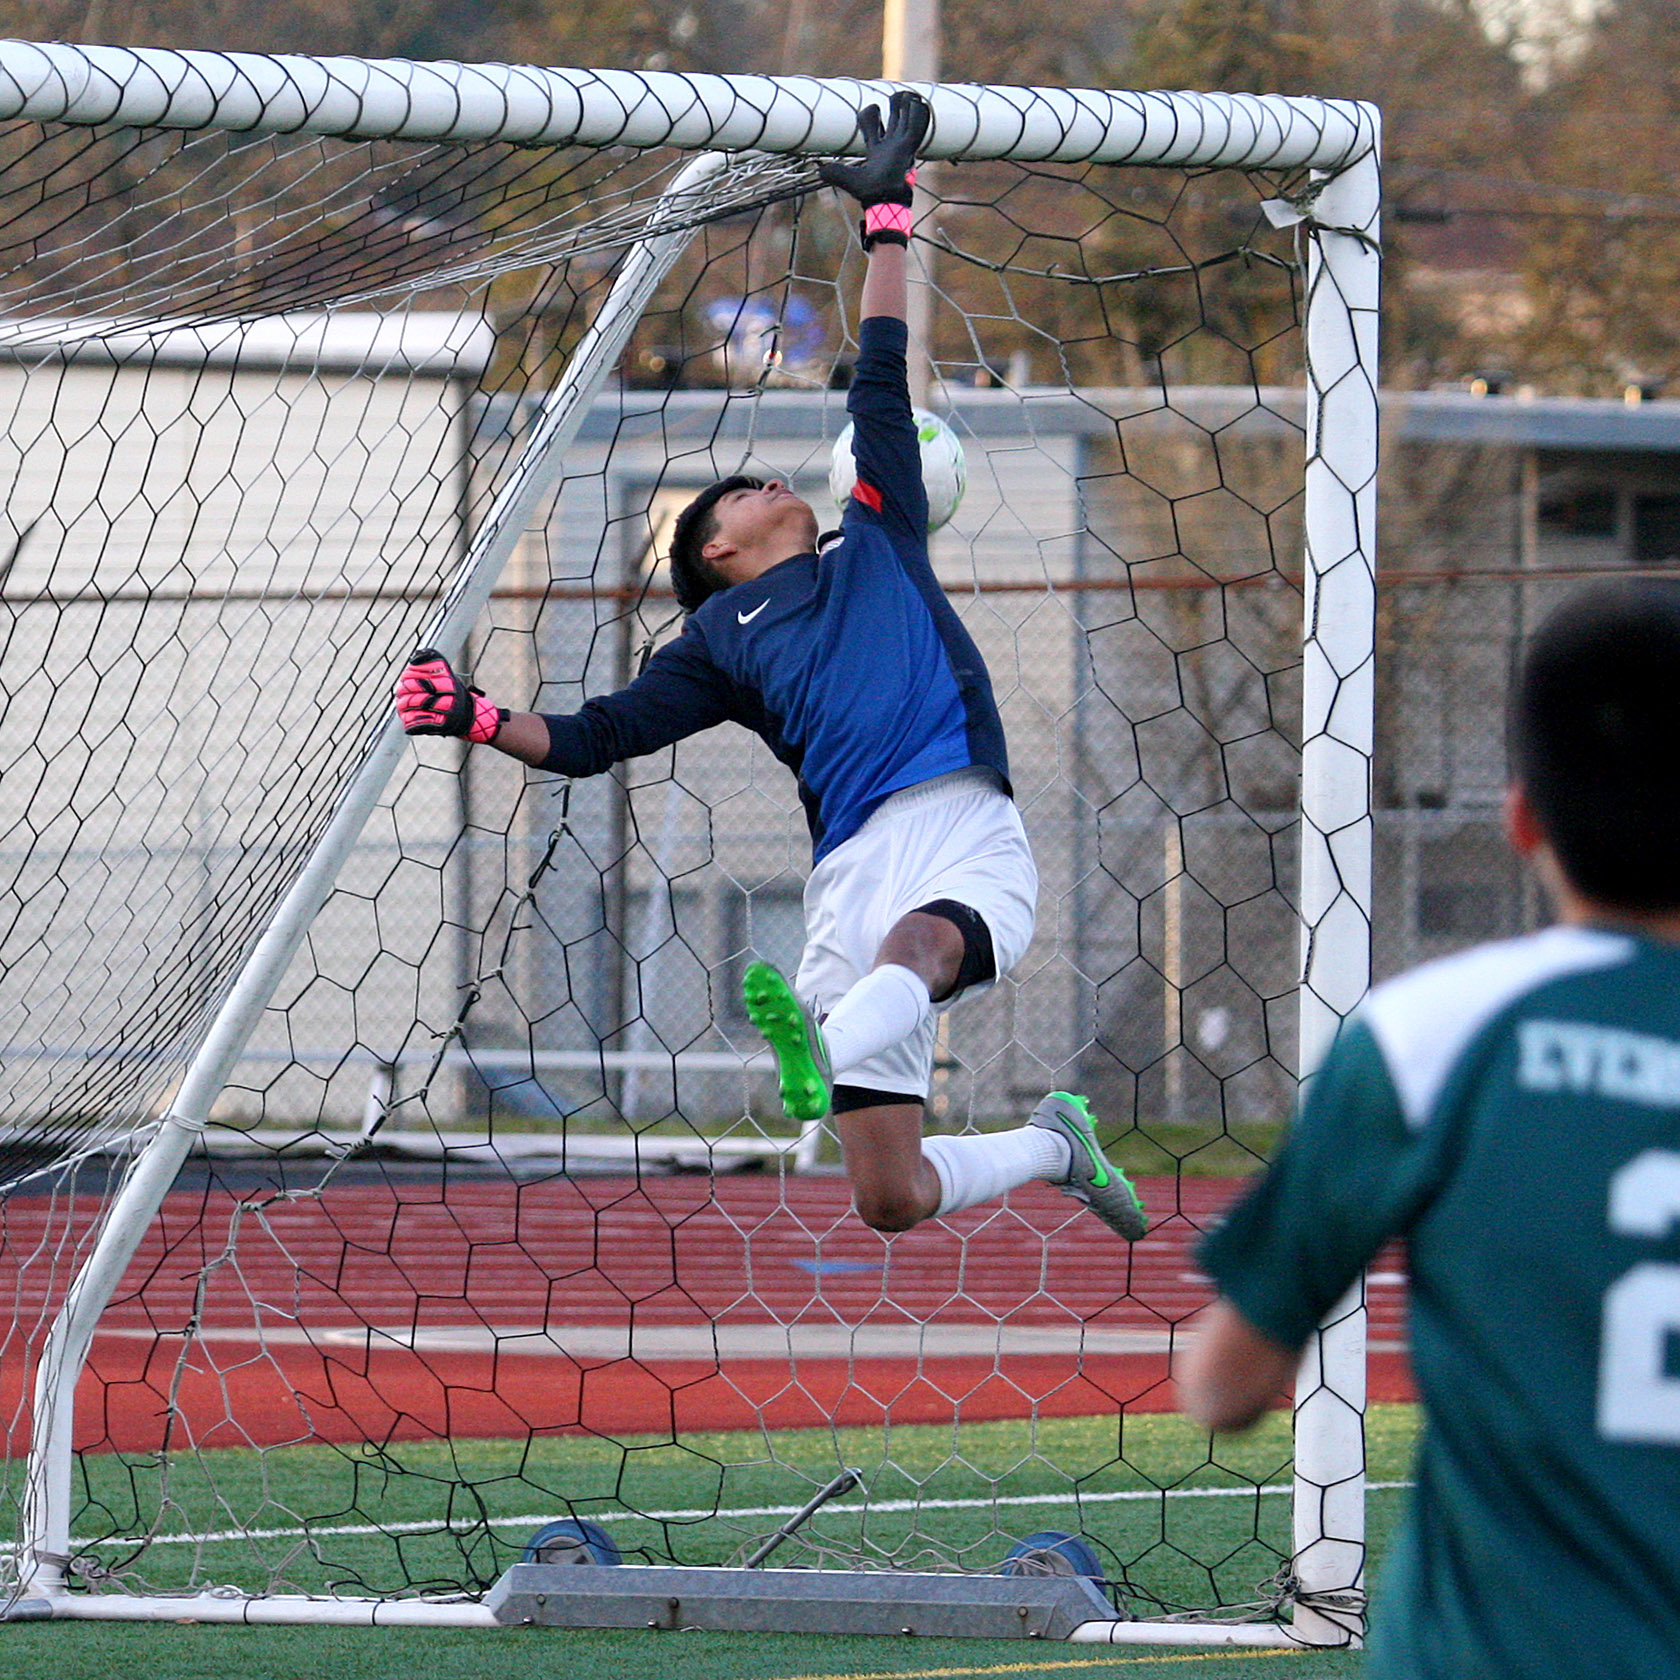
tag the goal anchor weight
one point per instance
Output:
(1047, 1588)
(800, 1601)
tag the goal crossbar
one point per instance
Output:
(393, 99)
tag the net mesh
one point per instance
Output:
(441, 1274)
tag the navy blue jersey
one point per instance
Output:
(851, 665)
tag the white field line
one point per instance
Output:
(874, 1508)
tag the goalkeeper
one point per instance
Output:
(856, 672)
(1514, 1114)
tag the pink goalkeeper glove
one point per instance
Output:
(433, 700)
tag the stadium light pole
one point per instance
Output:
(910, 37)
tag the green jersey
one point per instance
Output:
(1514, 1114)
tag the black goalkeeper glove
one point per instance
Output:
(882, 181)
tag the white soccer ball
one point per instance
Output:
(944, 470)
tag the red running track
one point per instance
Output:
(391, 1311)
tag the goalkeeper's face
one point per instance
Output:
(757, 527)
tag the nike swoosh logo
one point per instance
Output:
(747, 618)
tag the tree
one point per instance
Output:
(1601, 268)
(1452, 99)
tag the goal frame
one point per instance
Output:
(716, 115)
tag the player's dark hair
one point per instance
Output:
(692, 577)
(1595, 741)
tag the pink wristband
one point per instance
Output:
(488, 719)
(887, 218)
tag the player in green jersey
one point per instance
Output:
(1514, 1113)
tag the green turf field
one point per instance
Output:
(1175, 1525)
(83, 1651)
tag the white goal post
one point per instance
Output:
(719, 118)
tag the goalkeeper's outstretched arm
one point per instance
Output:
(679, 693)
(524, 736)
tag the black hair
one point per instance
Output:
(692, 577)
(1595, 741)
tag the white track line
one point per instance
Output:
(874, 1508)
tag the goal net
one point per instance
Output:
(389, 1174)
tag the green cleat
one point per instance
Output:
(793, 1034)
(1094, 1179)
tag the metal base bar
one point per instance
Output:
(899, 1606)
(797, 1601)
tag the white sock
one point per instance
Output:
(887, 1004)
(980, 1167)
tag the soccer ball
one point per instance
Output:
(944, 471)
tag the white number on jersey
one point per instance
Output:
(1637, 1398)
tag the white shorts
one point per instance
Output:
(954, 837)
